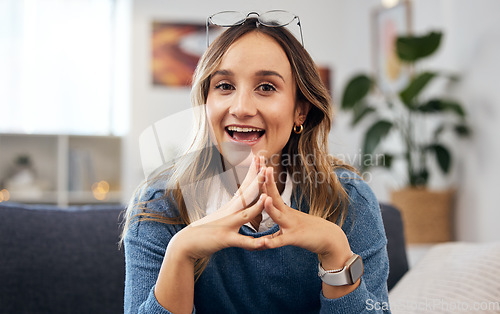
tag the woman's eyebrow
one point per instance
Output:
(269, 73)
(261, 73)
(223, 73)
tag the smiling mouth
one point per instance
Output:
(244, 134)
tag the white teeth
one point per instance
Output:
(238, 129)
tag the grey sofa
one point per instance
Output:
(55, 260)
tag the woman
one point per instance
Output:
(191, 244)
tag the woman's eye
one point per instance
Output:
(267, 88)
(224, 86)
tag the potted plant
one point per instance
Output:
(403, 114)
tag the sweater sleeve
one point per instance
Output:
(145, 245)
(365, 231)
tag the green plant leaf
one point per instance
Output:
(434, 105)
(412, 48)
(418, 178)
(357, 89)
(454, 78)
(443, 156)
(438, 132)
(454, 107)
(462, 130)
(422, 178)
(415, 87)
(360, 111)
(385, 160)
(439, 105)
(373, 136)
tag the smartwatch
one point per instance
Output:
(348, 275)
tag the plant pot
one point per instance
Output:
(427, 215)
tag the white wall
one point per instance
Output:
(337, 34)
(475, 48)
(150, 104)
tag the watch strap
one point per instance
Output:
(343, 276)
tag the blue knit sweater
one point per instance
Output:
(282, 280)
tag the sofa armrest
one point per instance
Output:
(396, 248)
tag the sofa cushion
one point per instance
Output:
(57, 260)
(455, 277)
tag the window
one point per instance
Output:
(62, 68)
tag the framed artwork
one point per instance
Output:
(325, 74)
(176, 49)
(387, 24)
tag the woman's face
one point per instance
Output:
(251, 100)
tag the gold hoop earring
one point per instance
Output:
(300, 130)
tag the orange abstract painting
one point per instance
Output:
(176, 49)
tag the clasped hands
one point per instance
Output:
(258, 192)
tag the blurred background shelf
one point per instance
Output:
(83, 197)
(67, 169)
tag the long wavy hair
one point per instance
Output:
(319, 186)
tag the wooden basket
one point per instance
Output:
(427, 215)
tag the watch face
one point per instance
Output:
(356, 269)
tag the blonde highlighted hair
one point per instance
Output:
(326, 199)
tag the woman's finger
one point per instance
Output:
(262, 162)
(276, 215)
(258, 163)
(244, 197)
(251, 186)
(276, 240)
(260, 175)
(272, 189)
(274, 235)
(251, 174)
(263, 186)
(245, 215)
(246, 242)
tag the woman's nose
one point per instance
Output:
(244, 106)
